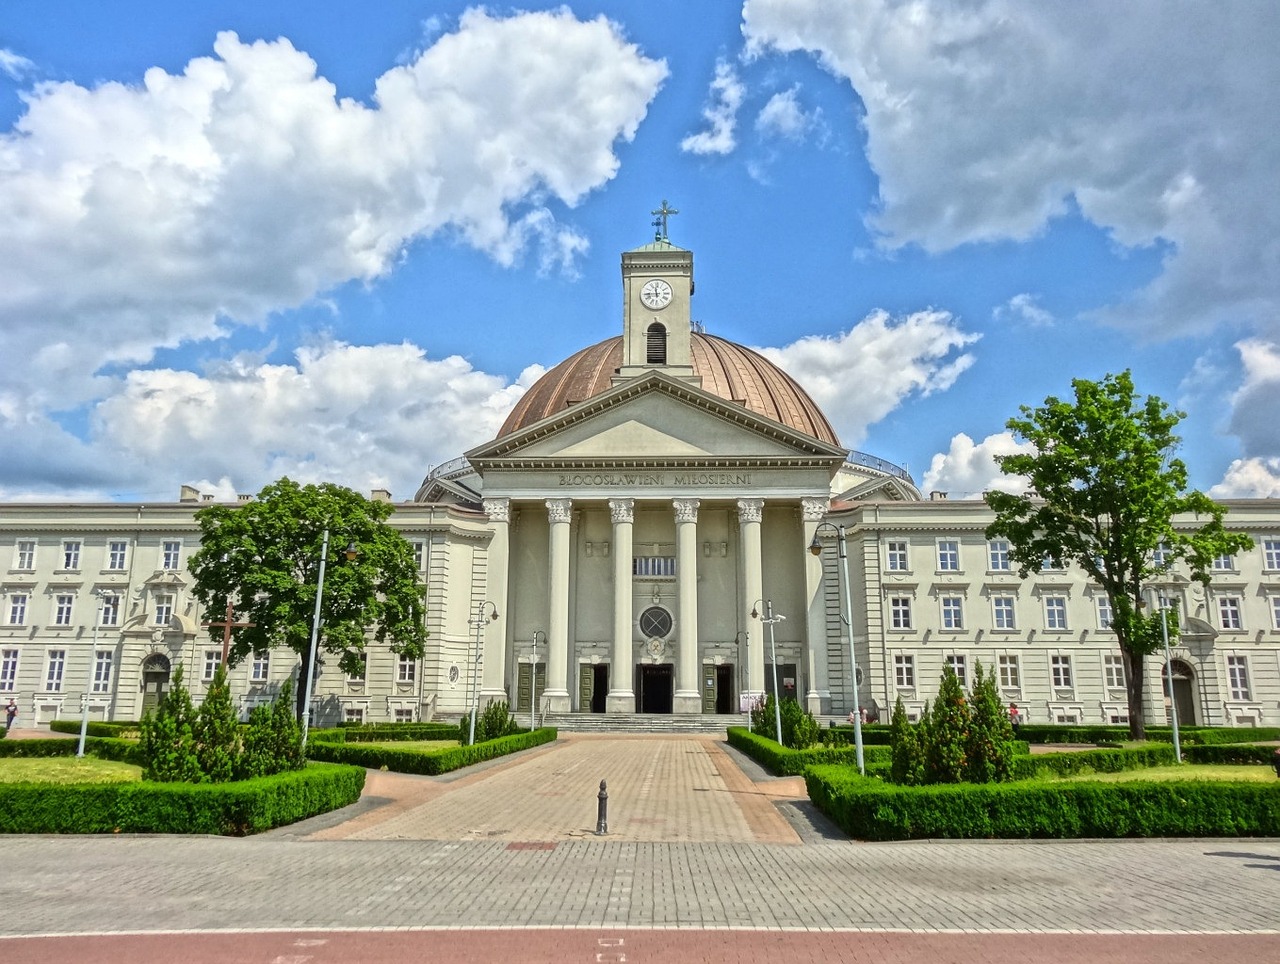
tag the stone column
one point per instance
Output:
(494, 671)
(557, 693)
(688, 696)
(622, 699)
(818, 695)
(750, 515)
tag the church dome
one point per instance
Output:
(727, 369)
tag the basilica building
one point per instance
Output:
(665, 524)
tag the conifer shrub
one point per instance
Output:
(166, 741)
(273, 742)
(947, 750)
(908, 752)
(799, 728)
(991, 748)
(495, 722)
(217, 731)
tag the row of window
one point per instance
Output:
(999, 557)
(1009, 672)
(54, 667)
(1003, 612)
(116, 556)
(62, 609)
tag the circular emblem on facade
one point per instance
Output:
(655, 622)
(655, 647)
(454, 673)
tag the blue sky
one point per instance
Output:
(338, 240)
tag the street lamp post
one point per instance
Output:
(479, 621)
(1168, 674)
(746, 672)
(350, 552)
(769, 620)
(533, 681)
(93, 668)
(846, 617)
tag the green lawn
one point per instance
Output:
(66, 770)
(1258, 774)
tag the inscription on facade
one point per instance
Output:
(640, 479)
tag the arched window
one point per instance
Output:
(656, 353)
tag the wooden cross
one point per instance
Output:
(227, 625)
(660, 222)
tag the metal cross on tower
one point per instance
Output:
(660, 222)
(227, 625)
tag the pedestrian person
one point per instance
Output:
(11, 714)
(1015, 717)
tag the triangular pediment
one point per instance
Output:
(655, 417)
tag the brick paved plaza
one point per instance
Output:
(699, 839)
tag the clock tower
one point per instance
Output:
(657, 285)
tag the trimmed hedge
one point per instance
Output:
(96, 728)
(869, 809)
(1187, 735)
(403, 731)
(1236, 754)
(873, 734)
(235, 809)
(430, 762)
(123, 751)
(784, 761)
(1092, 761)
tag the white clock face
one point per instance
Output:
(655, 294)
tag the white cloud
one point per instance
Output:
(1249, 479)
(15, 65)
(1255, 403)
(366, 416)
(860, 376)
(783, 116)
(727, 93)
(138, 217)
(1023, 308)
(985, 118)
(967, 470)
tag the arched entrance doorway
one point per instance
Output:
(1184, 690)
(155, 681)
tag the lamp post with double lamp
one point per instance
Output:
(479, 621)
(533, 680)
(745, 636)
(846, 617)
(350, 553)
(769, 620)
(1168, 670)
(93, 669)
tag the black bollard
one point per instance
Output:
(602, 810)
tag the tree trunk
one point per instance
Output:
(1134, 681)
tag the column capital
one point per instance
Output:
(815, 510)
(750, 510)
(498, 510)
(622, 510)
(559, 510)
(686, 509)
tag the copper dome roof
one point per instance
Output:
(728, 370)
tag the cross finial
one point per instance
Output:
(660, 222)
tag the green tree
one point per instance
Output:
(908, 752)
(273, 743)
(947, 741)
(990, 753)
(217, 731)
(167, 741)
(1105, 491)
(262, 558)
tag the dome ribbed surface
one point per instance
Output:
(728, 370)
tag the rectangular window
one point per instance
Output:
(1060, 668)
(1113, 672)
(170, 550)
(361, 671)
(404, 714)
(71, 555)
(115, 554)
(896, 556)
(26, 555)
(1238, 677)
(998, 554)
(900, 612)
(406, 669)
(261, 667)
(653, 566)
(904, 671)
(1271, 553)
(102, 671)
(62, 610)
(948, 556)
(212, 660)
(53, 672)
(1224, 563)
(111, 610)
(1275, 612)
(353, 714)
(164, 610)
(956, 663)
(420, 556)
(1002, 612)
(18, 609)
(1229, 613)
(952, 612)
(1010, 673)
(1104, 612)
(1055, 612)
(1160, 555)
(8, 670)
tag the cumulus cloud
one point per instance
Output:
(967, 470)
(366, 416)
(721, 114)
(985, 119)
(859, 376)
(136, 217)
(15, 65)
(1255, 403)
(1253, 478)
(782, 116)
(1022, 308)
